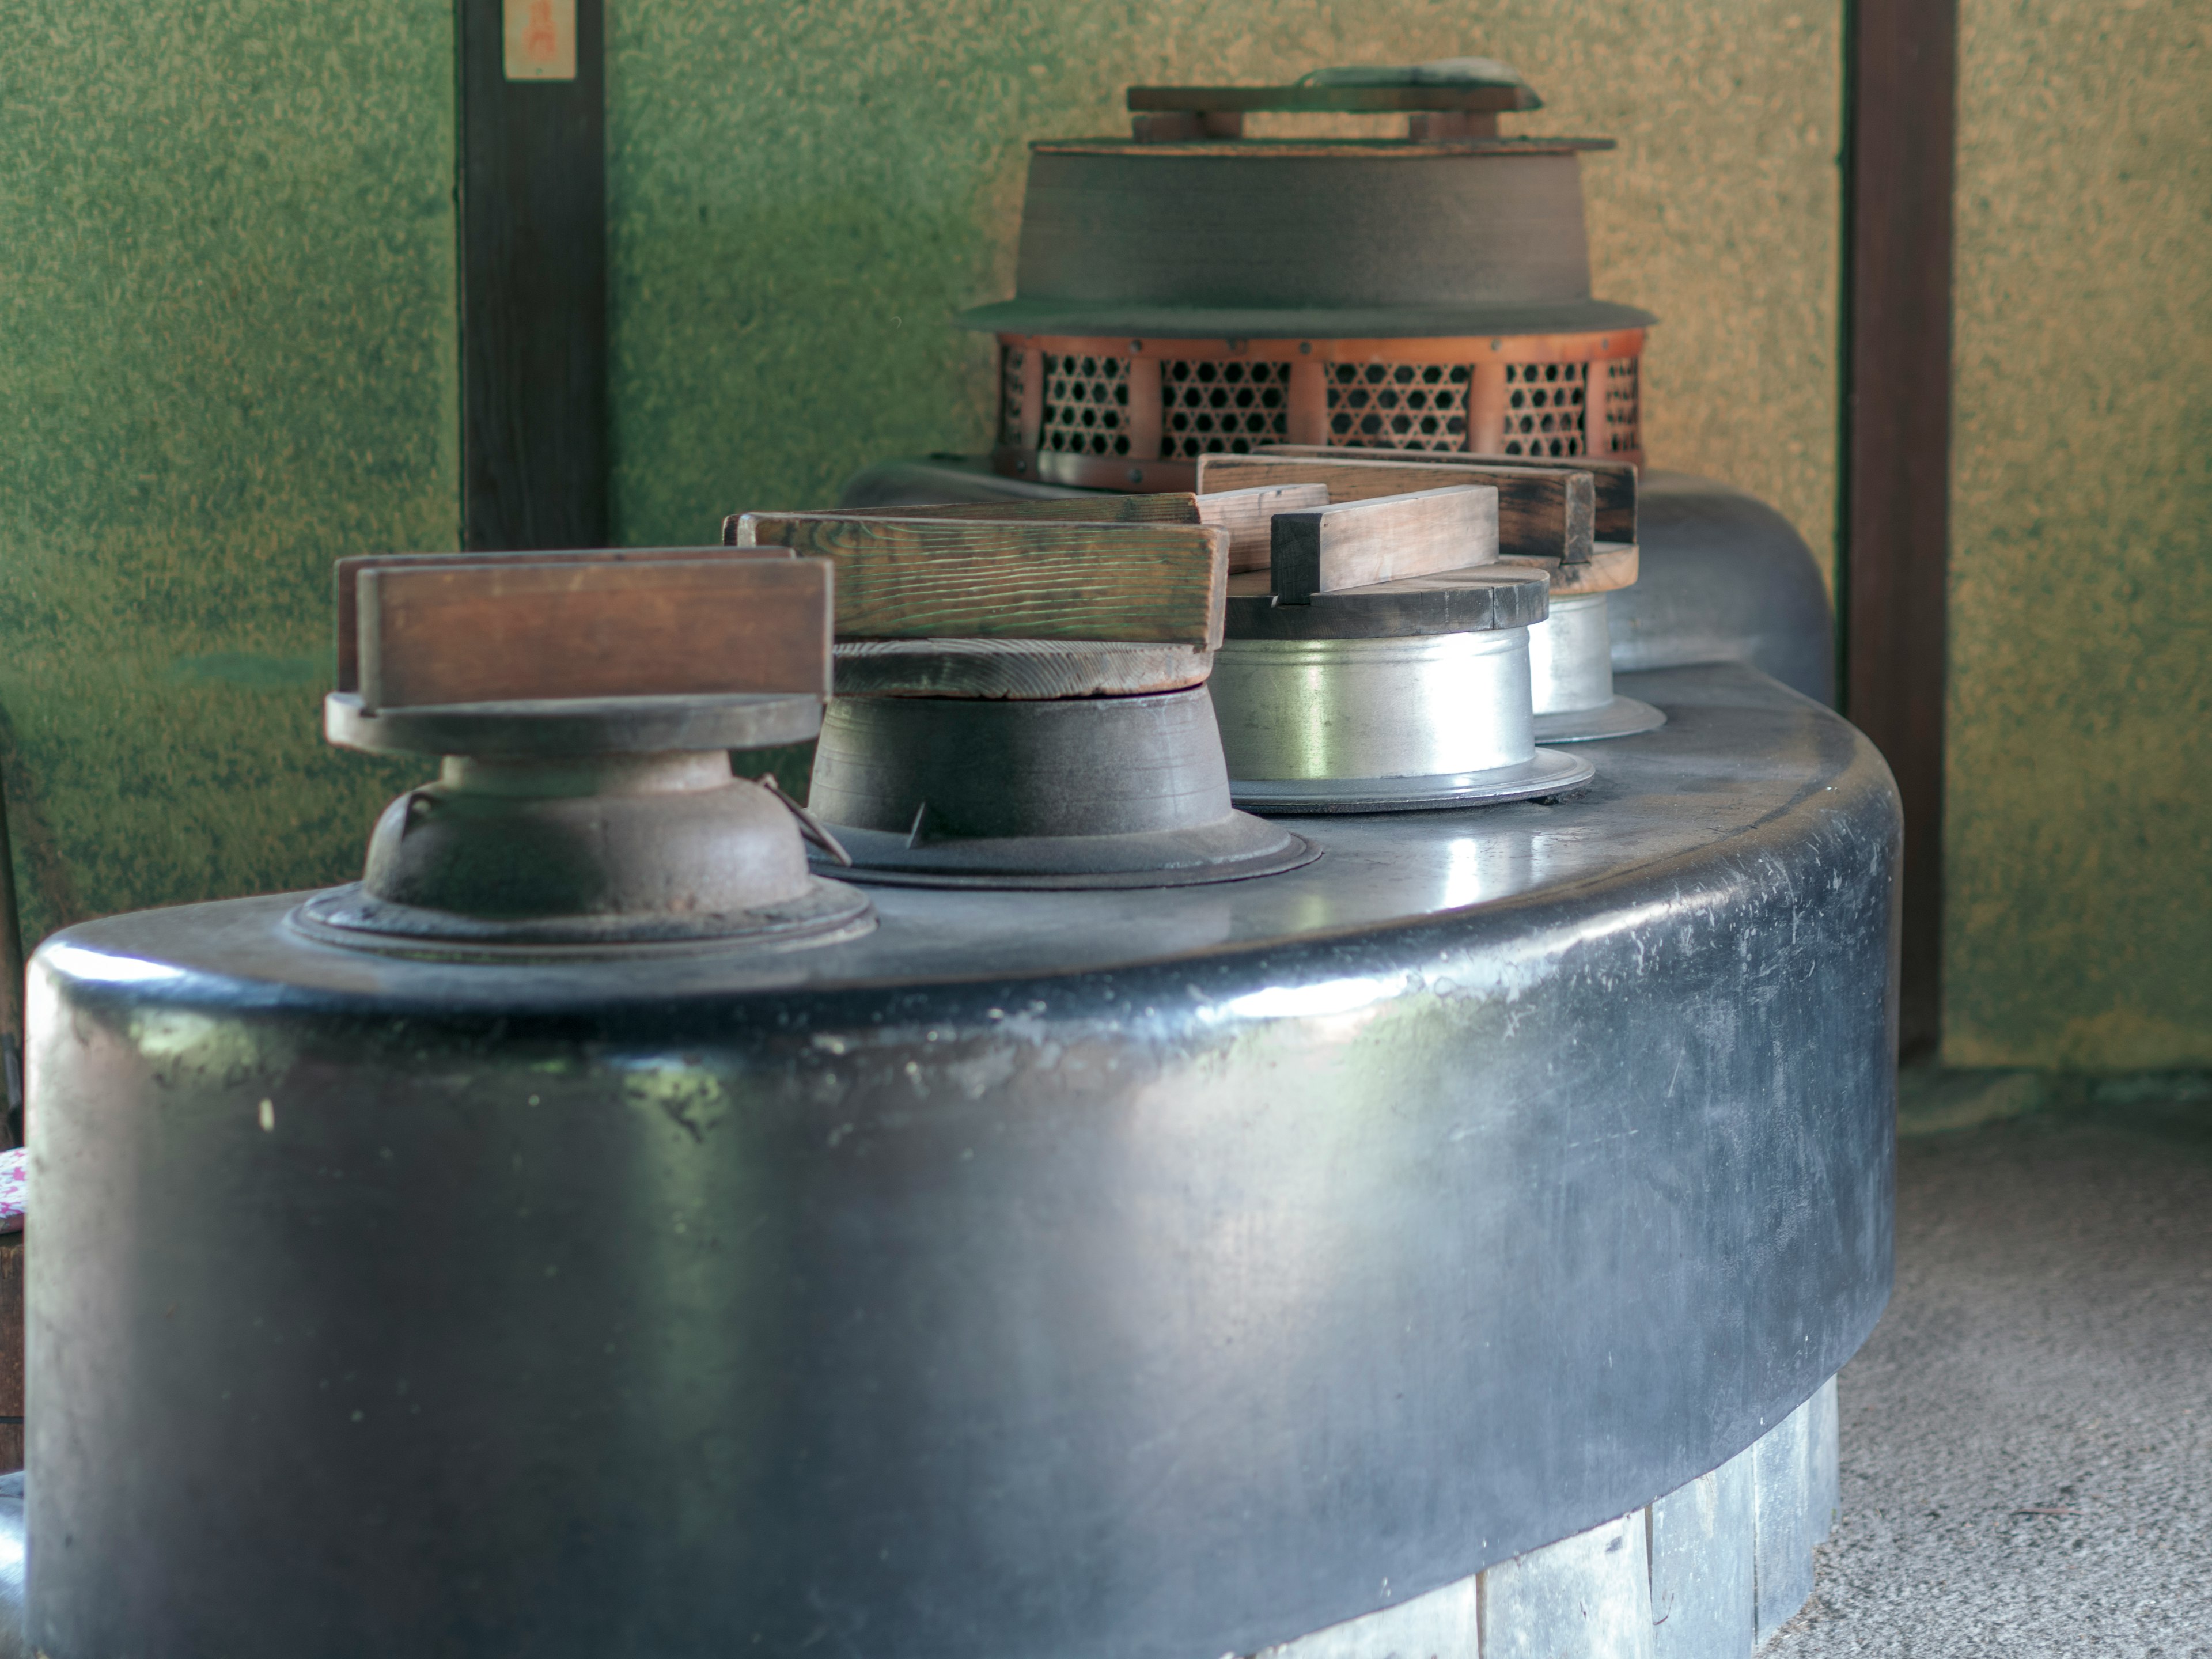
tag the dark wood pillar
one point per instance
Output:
(533, 265)
(1901, 121)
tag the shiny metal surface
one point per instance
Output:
(13, 1644)
(1084, 791)
(1570, 676)
(1380, 726)
(1142, 1274)
(1544, 775)
(1571, 656)
(1376, 709)
(1623, 717)
(1723, 578)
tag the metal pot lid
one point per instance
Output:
(1476, 600)
(1041, 315)
(1345, 239)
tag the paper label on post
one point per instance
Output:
(541, 39)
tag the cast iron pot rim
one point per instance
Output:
(1042, 314)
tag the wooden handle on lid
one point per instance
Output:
(451, 630)
(1249, 516)
(1542, 515)
(1612, 482)
(1390, 538)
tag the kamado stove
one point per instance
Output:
(1189, 291)
(1203, 1134)
(1030, 711)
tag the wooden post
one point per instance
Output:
(1144, 414)
(1307, 419)
(533, 265)
(1895, 500)
(1486, 408)
(1032, 398)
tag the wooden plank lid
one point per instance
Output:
(542, 652)
(1246, 514)
(923, 577)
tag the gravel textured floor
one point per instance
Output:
(2027, 1437)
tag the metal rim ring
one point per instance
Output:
(825, 914)
(1624, 717)
(1545, 773)
(1156, 859)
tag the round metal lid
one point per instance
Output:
(610, 726)
(1476, 600)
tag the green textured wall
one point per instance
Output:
(227, 352)
(803, 190)
(2079, 834)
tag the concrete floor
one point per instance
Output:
(2027, 1437)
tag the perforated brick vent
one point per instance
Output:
(1621, 436)
(1086, 405)
(1398, 405)
(1212, 408)
(1009, 396)
(1544, 408)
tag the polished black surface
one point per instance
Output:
(1132, 1274)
